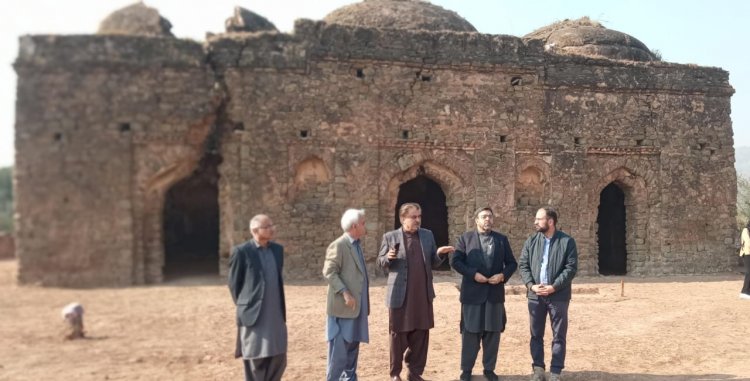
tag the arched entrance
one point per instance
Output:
(611, 233)
(191, 223)
(430, 196)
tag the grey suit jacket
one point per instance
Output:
(398, 270)
(247, 282)
(343, 270)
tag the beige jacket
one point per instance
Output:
(343, 270)
(745, 243)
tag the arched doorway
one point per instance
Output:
(430, 196)
(191, 223)
(611, 233)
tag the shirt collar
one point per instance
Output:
(258, 246)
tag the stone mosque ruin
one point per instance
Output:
(141, 155)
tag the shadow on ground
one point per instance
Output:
(604, 376)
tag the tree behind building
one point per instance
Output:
(6, 199)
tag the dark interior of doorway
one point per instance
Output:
(611, 234)
(428, 194)
(191, 223)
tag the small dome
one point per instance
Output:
(137, 19)
(585, 37)
(399, 14)
(247, 21)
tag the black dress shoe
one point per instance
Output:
(396, 378)
(414, 377)
(490, 375)
(465, 376)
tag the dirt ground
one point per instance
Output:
(677, 328)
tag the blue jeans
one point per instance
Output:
(558, 314)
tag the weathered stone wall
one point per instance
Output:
(349, 117)
(476, 122)
(7, 246)
(104, 124)
(662, 133)
(334, 117)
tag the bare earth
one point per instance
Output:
(678, 328)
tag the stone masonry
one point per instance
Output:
(7, 246)
(340, 114)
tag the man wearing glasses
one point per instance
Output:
(258, 292)
(485, 260)
(408, 255)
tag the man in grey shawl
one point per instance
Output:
(258, 292)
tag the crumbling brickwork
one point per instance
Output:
(336, 116)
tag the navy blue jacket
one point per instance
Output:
(468, 259)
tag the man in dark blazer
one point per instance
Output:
(548, 263)
(485, 260)
(257, 289)
(408, 256)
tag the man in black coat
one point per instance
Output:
(486, 261)
(258, 292)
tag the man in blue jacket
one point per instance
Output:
(548, 263)
(486, 261)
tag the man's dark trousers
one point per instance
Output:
(265, 369)
(410, 347)
(470, 348)
(558, 312)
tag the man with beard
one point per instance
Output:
(486, 261)
(408, 255)
(548, 263)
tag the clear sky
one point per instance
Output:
(707, 33)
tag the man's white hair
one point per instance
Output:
(351, 217)
(256, 220)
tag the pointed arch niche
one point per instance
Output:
(530, 187)
(620, 207)
(450, 184)
(308, 175)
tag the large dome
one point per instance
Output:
(585, 37)
(137, 19)
(399, 14)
